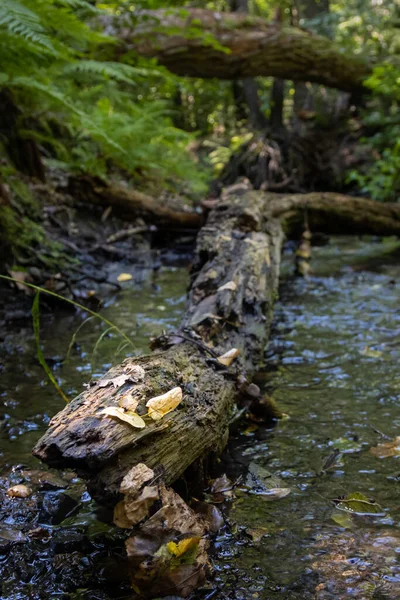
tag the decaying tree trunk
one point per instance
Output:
(234, 284)
(203, 43)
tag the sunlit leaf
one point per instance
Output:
(124, 277)
(227, 358)
(161, 405)
(187, 545)
(129, 417)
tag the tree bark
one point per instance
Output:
(248, 87)
(242, 46)
(129, 203)
(332, 213)
(234, 284)
(328, 212)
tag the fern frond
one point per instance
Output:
(19, 20)
(118, 71)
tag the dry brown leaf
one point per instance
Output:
(19, 491)
(120, 519)
(136, 478)
(128, 417)
(386, 449)
(227, 358)
(136, 372)
(137, 508)
(22, 276)
(124, 277)
(161, 405)
(128, 402)
(115, 381)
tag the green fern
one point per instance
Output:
(19, 20)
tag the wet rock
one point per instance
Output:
(56, 507)
(67, 540)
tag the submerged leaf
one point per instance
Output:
(359, 504)
(386, 449)
(161, 405)
(343, 520)
(129, 417)
(367, 351)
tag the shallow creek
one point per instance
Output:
(331, 366)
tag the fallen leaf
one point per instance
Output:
(359, 504)
(19, 491)
(116, 381)
(367, 351)
(229, 285)
(136, 372)
(22, 276)
(263, 483)
(227, 358)
(161, 405)
(136, 478)
(124, 277)
(133, 509)
(343, 520)
(221, 485)
(129, 417)
(182, 547)
(12, 535)
(128, 402)
(386, 449)
(346, 445)
(257, 533)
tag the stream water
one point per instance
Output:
(331, 366)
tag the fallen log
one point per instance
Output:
(328, 212)
(205, 43)
(331, 213)
(234, 284)
(129, 203)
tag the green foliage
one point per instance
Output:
(83, 108)
(381, 180)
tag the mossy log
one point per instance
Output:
(205, 43)
(328, 212)
(129, 203)
(331, 213)
(233, 286)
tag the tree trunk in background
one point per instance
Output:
(256, 48)
(277, 98)
(277, 91)
(308, 10)
(23, 152)
(246, 91)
